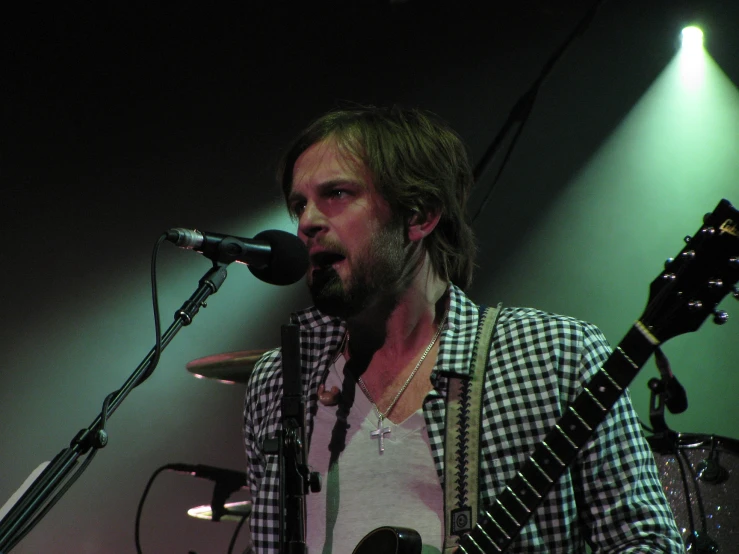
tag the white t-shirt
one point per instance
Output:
(366, 489)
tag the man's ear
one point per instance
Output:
(420, 224)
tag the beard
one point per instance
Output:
(378, 275)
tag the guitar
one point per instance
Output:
(390, 540)
(680, 299)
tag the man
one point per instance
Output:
(379, 197)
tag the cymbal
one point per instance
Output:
(235, 511)
(228, 367)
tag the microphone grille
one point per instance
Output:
(288, 260)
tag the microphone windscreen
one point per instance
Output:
(288, 260)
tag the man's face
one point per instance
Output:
(356, 247)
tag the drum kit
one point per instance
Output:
(699, 473)
(700, 477)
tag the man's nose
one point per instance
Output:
(311, 222)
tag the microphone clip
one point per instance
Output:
(671, 392)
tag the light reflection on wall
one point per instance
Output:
(607, 235)
(96, 336)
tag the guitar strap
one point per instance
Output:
(462, 442)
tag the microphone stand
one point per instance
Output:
(290, 446)
(664, 439)
(33, 505)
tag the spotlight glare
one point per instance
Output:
(692, 38)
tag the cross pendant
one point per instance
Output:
(380, 433)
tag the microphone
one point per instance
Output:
(275, 257)
(676, 398)
(229, 477)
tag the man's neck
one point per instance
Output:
(396, 327)
(395, 356)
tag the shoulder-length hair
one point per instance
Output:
(418, 165)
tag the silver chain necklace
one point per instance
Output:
(381, 431)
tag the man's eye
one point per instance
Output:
(297, 208)
(338, 193)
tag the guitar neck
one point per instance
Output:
(503, 520)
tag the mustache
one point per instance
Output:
(328, 246)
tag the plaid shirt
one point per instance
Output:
(611, 497)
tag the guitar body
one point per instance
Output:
(390, 540)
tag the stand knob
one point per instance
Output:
(101, 438)
(711, 471)
(720, 317)
(314, 481)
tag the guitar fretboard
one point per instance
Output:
(503, 520)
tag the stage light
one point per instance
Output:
(692, 38)
(692, 59)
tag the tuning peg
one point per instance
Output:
(695, 305)
(734, 263)
(688, 254)
(708, 231)
(735, 293)
(668, 261)
(687, 239)
(715, 284)
(720, 317)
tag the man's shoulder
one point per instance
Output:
(265, 371)
(515, 319)
(320, 335)
(534, 316)
(312, 318)
(537, 324)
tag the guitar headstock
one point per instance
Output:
(694, 282)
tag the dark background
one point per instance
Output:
(120, 121)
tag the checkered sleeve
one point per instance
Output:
(320, 337)
(261, 416)
(617, 487)
(611, 496)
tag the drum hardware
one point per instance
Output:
(228, 367)
(698, 473)
(226, 482)
(232, 511)
(710, 470)
(238, 512)
(671, 393)
(699, 477)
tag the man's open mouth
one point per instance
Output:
(322, 260)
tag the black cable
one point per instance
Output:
(236, 534)
(698, 495)
(525, 104)
(104, 413)
(149, 370)
(157, 319)
(522, 110)
(139, 510)
(157, 342)
(98, 438)
(679, 455)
